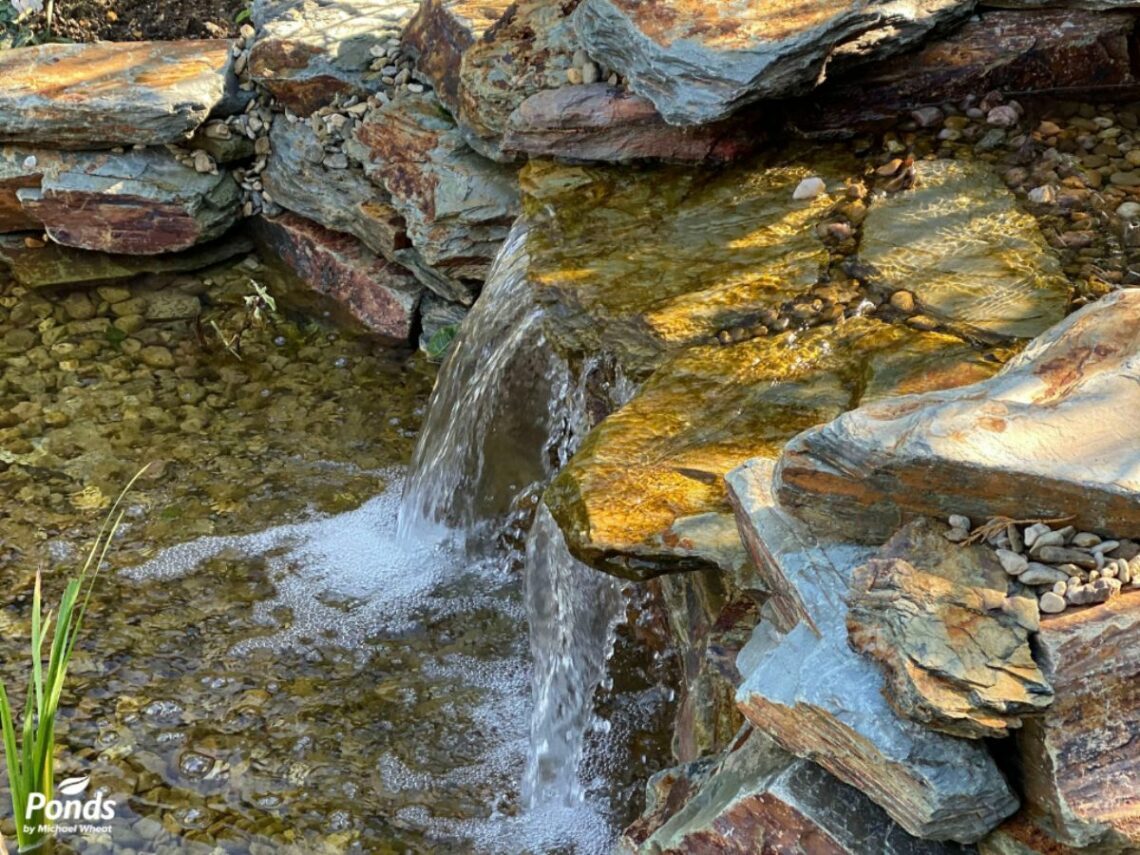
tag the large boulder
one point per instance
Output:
(805, 686)
(1079, 761)
(956, 652)
(1053, 435)
(969, 255)
(308, 52)
(137, 203)
(699, 62)
(100, 95)
(378, 294)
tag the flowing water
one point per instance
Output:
(280, 668)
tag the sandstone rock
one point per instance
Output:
(819, 699)
(601, 122)
(137, 203)
(924, 609)
(1056, 421)
(343, 200)
(108, 94)
(968, 254)
(457, 205)
(53, 265)
(759, 798)
(698, 62)
(1078, 759)
(309, 51)
(1037, 51)
(377, 293)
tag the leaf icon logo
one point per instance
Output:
(74, 786)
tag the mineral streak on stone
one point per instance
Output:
(440, 34)
(20, 168)
(659, 460)
(1050, 49)
(602, 122)
(106, 94)
(928, 611)
(698, 62)
(822, 701)
(1024, 835)
(458, 206)
(760, 798)
(136, 203)
(1079, 759)
(309, 51)
(1058, 421)
(51, 265)
(379, 294)
(965, 250)
(343, 200)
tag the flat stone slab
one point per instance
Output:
(1054, 434)
(20, 169)
(135, 203)
(380, 295)
(104, 94)
(1079, 760)
(308, 52)
(699, 62)
(971, 257)
(805, 687)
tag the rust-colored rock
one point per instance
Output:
(1022, 835)
(104, 94)
(603, 122)
(1011, 51)
(20, 169)
(136, 203)
(379, 294)
(930, 613)
(1052, 435)
(1079, 761)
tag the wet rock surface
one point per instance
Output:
(954, 452)
(106, 94)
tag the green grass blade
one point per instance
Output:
(19, 795)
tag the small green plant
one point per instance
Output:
(30, 760)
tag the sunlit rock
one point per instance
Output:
(107, 94)
(1053, 435)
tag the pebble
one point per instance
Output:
(1103, 546)
(1042, 574)
(1064, 555)
(590, 73)
(927, 117)
(1051, 603)
(809, 188)
(957, 520)
(957, 535)
(1033, 532)
(1049, 538)
(157, 357)
(1043, 195)
(904, 302)
(1003, 116)
(922, 322)
(1098, 591)
(1016, 543)
(574, 76)
(1086, 539)
(1012, 563)
(1129, 211)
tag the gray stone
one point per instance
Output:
(1042, 574)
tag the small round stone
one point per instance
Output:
(1051, 603)
(903, 301)
(958, 520)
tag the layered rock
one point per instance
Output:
(805, 687)
(971, 258)
(1056, 422)
(930, 612)
(699, 62)
(380, 295)
(1078, 761)
(310, 51)
(603, 122)
(457, 205)
(138, 203)
(100, 95)
(20, 168)
(50, 265)
(759, 798)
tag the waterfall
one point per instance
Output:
(573, 612)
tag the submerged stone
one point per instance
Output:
(960, 244)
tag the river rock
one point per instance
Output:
(106, 94)
(379, 294)
(53, 265)
(457, 205)
(928, 611)
(1078, 760)
(603, 122)
(343, 200)
(1038, 51)
(138, 202)
(20, 168)
(969, 255)
(1056, 421)
(308, 52)
(806, 688)
(760, 798)
(699, 62)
